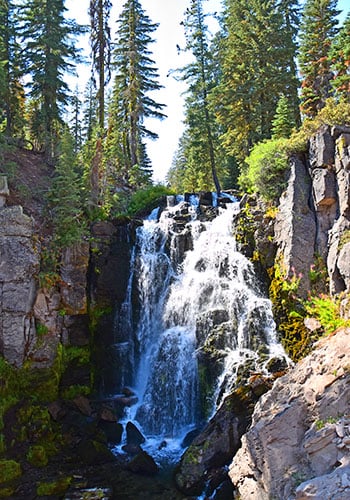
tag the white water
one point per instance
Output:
(183, 303)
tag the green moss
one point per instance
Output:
(7, 492)
(9, 470)
(344, 238)
(37, 456)
(289, 313)
(80, 355)
(75, 390)
(57, 487)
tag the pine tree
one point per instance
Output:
(48, 51)
(340, 58)
(65, 196)
(200, 121)
(290, 11)
(131, 103)
(318, 29)
(255, 57)
(11, 89)
(100, 39)
(284, 119)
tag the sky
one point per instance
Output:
(169, 14)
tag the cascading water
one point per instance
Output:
(199, 304)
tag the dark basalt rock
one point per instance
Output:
(144, 464)
(133, 435)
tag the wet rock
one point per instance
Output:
(143, 464)
(215, 446)
(83, 405)
(112, 430)
(94, 452)
(133, 435)
(57, 410)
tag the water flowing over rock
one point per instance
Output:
(298, 446)
(202, 324)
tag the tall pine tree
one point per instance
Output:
(131, 103)
(48, 51)
(318, 29)
(340, 58)
(11, 89)
(256, 58)
(201, 130)
(100, 39)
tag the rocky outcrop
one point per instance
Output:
(295, 227)
(33, 319)
(19, 269)
(314, 212)
(298, 446)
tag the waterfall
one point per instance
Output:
(199, 307)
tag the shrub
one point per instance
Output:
(327, 310)
(266, 170)
(147, 198)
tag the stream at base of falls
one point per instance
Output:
(201, 321)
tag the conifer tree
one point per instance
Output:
(318, 29)
(48, 51)
(65, 196)
(255, 57)
(340, 58)
(201, 127)
(284, 119)
(11, 89)
(131, 103)
(100, 39)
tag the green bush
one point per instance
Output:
(333, 113)
(266, 169)
(327, 310)
(147, 198)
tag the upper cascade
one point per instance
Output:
(202, 318)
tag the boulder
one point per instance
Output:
(133, 435)
(214, 447)
(143, 464)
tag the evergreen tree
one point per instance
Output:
(100, 39)
(290, 11)
(65, 196)
(200, 121)
(48, 52)
(340, 57)
(284, 119)
(318, 29)
(255, 57)
(11, 89)
(131, 103)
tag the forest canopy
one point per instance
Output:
(273, 66)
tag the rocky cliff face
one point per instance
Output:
(28, 310)
(314, 213)
(298, 446)
(19, 268)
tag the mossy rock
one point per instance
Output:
(9, 470)
(93, 452)
(58, 487)
(37, 456)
